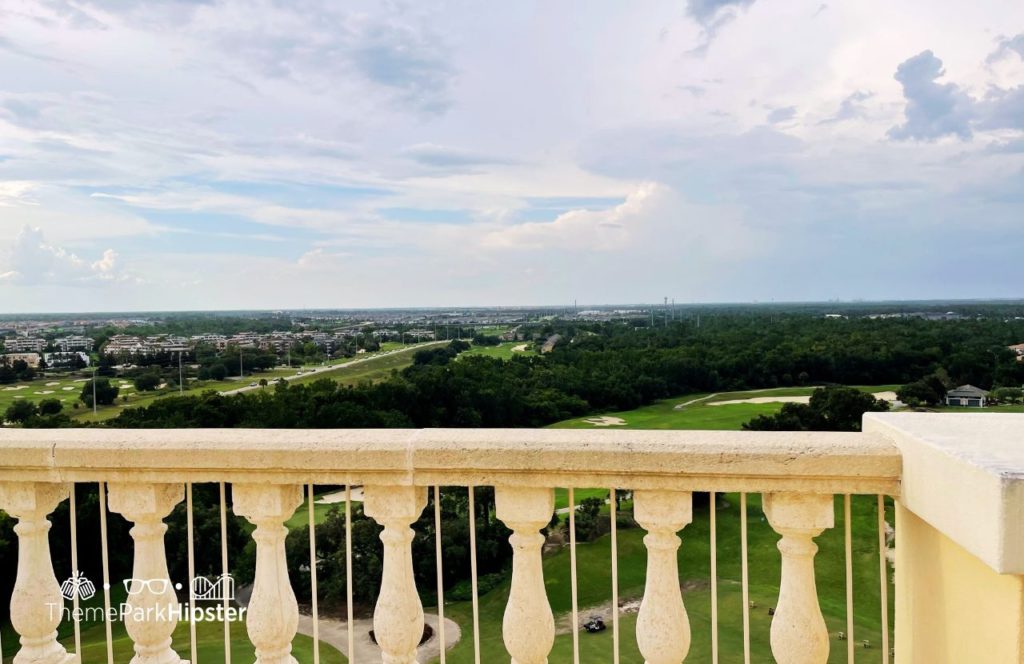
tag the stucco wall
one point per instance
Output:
(951, 608)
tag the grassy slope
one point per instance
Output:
(373, 369)
(502, 351)
(664, 415)
(29, 391)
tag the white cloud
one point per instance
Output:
(313, 119)
(32, 261)
(587, 230)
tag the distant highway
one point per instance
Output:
(334, 367)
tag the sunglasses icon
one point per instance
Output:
(155, 586)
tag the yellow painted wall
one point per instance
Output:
(951, 608)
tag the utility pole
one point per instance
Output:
(241, 366)
(181, 374)
(94, 390)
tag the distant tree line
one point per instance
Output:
(617, 366)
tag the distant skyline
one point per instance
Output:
(208, 155)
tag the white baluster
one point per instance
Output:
(398, 616)
(662, 626)
(528, 627)
(273, 614)
(799, 635)
(152, 602)
(36, 603)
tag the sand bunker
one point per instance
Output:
(67, 389)
(44, 391)
(730, 402)
(53, 383)
(606, 421)
(521, 348)
(15, 388)
(885, 396)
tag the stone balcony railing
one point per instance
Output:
(957, 482)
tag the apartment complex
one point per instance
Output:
(24, 344)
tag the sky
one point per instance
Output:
(194, 154)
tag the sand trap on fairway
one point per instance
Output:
(762, 400)
(44, 391)
(339, 497)
(521, 348)
(885, 396)
(15, 388)
(53, 383)
(67, 389)
(606, 421)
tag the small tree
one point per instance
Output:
(20, 411)
(105, 392)
(147, 382)
(589, 524)
(50, 406)
(1010, 395)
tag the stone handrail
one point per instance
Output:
(822, 462)
(958, 483)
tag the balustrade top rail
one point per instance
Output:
(823, 462)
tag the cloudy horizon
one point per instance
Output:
(198, 155)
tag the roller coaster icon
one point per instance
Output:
(220, 588)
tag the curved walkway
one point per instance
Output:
(335, 633)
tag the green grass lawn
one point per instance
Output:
(594, 574)
(49, 387)
(194, 387)
(1016, 408)
(320, 510)
(664, 414)
(562, 496)
(376, 366)
(502, 351)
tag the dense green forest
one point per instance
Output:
(620, 366)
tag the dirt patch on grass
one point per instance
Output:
(606, 421)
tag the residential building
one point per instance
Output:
(31, 359)
(74, 343)
(66, 360)
(24, 344)
(967, 395)
(1019, 350)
